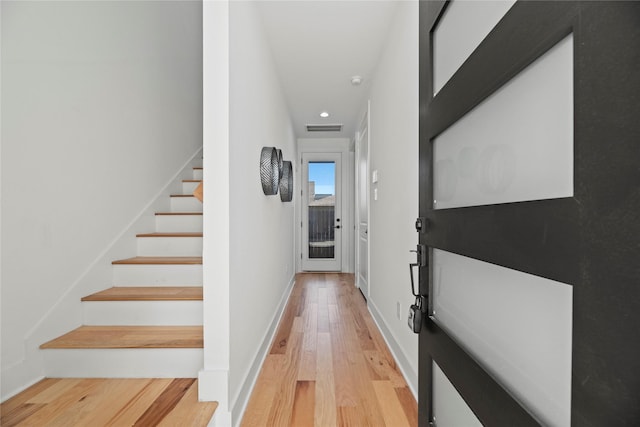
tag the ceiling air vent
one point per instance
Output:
(324, 128)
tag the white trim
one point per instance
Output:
(220, 419)
(241, 399)
(409, 374)
(21, 388)
(213, 386)
(214, 378)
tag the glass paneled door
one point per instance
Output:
(321, 214)
(529, 204)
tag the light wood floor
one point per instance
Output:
(130, 337)
(329, 365)
(108, 402)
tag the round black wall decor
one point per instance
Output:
(269, 171)
(280, 162)
(286, 182)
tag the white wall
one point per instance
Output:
(101, 106)
(261, 246)
(394, 154)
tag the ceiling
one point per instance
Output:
(318, 46)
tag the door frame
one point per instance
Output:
(589, 247)
(364, 124)
(330, 145)
(323, 264)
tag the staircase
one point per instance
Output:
(149, 324)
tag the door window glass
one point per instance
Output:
(516, 145)
(461, 29)
(322, 204)
(449, 408)
(517, 325)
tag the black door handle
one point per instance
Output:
(421, 261)
(336, 226)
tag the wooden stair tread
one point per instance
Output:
(160, 260)
(109, 401)
(179, 213)
(156, 293)
(198, 168)
(171, 234)
(182, 195)
(94, 337)
(191, 180)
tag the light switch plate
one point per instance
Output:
(374, 176)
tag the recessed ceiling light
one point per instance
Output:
(324, 114)
(356, 80)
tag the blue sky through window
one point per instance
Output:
(324, 175)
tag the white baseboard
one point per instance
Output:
(409, 374)
(220, 419)
(241, 400)
(213, 386)
(17, 374)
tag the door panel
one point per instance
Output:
(362, 176)
(322, 215)
(586, 239)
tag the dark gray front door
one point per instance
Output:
(586, 243)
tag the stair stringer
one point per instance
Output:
(66, 313)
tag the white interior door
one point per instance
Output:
(321, 212)
(362, 207)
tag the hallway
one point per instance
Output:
(328, 364)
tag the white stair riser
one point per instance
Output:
(169, 246)
(123, 363)
(197, 174)
(185, 204)
(157, 275)
(189, 187)
(142, 313)
(178, 223)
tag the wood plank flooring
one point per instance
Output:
(159, 260)
(148, 293)
(130, 337)
(173, 234)
(179, 213)
(73, 402)
(328, 364)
